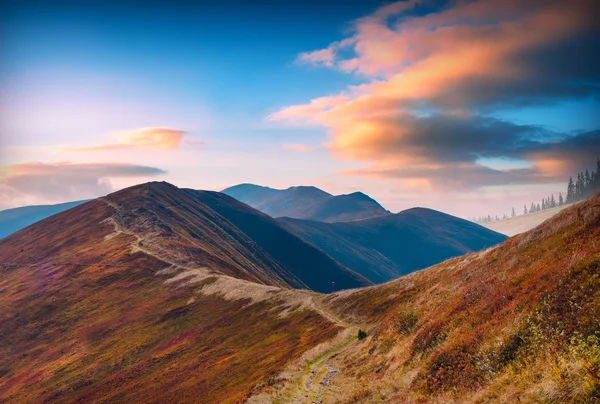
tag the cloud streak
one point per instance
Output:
(297, 147)
(430, 82)
(158, 138)
(41, 183)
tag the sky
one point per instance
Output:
(468, 107)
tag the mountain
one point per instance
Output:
(307, 203)
(314, 268)
(12, 220)
(145, 296)
(519, 322)
(386, 247)
(187, 227)
(137, 297)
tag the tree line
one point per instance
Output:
(586, 184)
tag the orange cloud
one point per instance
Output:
(427, 77)
(150, 138)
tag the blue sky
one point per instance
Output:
(76, 75)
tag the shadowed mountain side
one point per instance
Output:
(13, 220)
(105, 303)
(386, 247)
(316, 269)
(309, 203)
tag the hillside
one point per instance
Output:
(519, 322)
(522, 223)
(308, 203)
(137, 297)
(316, 269)
(13, 220)
(386, 247)
(144, 296)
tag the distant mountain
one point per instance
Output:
(12, 220)
(308, 203)
(386, 247)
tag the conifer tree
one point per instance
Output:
(587, 184)
(570, 191)
(560, 199)
(513, 214)
(525, 209)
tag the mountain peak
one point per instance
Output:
(307, 202)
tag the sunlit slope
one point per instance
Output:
(115, 300)
(518, 322)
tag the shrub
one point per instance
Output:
(407, 322)
(428, 338)
(362, 334)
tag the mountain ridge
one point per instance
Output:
(307, 202)
(386, 247)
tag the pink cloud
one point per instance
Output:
(159, 138)
(297, 147)
(42, 183)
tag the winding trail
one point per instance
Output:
(307, 384)
(120, 228)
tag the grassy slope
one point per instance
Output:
(87, 316)
(384, 248)
(520, 322)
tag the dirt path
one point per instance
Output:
(118, 221)
(309, 382)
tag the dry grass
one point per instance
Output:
(86, 318)
(519, 322)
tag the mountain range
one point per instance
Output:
(308, 203)
(385, 247)
(159, 294)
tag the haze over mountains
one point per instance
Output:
(160, 294)
(385, 247)
(309, 203)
